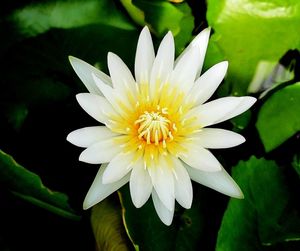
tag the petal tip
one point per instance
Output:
(250, 100)
(136, 203)
(202, 38)
(85, 206)
(239, 195)
(71, 58)
(75, 62)
(79, 96)
(82, 97)
(84, 157)
(242, 139)
(111, 56)
(170, 33)
(88, 203)
(188, 205)
(225, 64)
(169, 37)
(207, 30)
(221, 68)
(145, 29)
(167, 222)
(70, 137)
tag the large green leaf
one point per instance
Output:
(279, 117)
(38, 18)
(267, 216)
(162, 16)
(249, 31)
(31, 18)
(191, 227)
(186, 26)
(147, 232)
(144, 227)
(29, 186)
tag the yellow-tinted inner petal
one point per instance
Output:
(156, 124)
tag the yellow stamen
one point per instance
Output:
(153, 127)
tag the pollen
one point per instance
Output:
(154, 127)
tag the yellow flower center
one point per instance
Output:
(154, 127)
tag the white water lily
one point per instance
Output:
(154, 133)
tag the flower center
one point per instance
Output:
(154, 128)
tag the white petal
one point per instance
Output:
(245, 103)
(118, 167)
(112, 96)
(215, 111)
(218, 138)
(165, 215)
(163, 182)
(87, 136)
(200, 158)
(207, 84)
(105, 89)
(200, 42)
(101, 152)
(144, 57)
(140, 184)
(99, 191)
(96, 106)
(120, 74)
(84, 72)
(185, 70)
(183, 185)
(219, 181)
(163, 63)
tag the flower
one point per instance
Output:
(155, 133)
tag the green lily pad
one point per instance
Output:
(162, 16)
(191, 227)
(37, 18)
(144, 227)
(279, 117)
(28, 186)
(183, 234)
(266, 217)
(247, 32)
